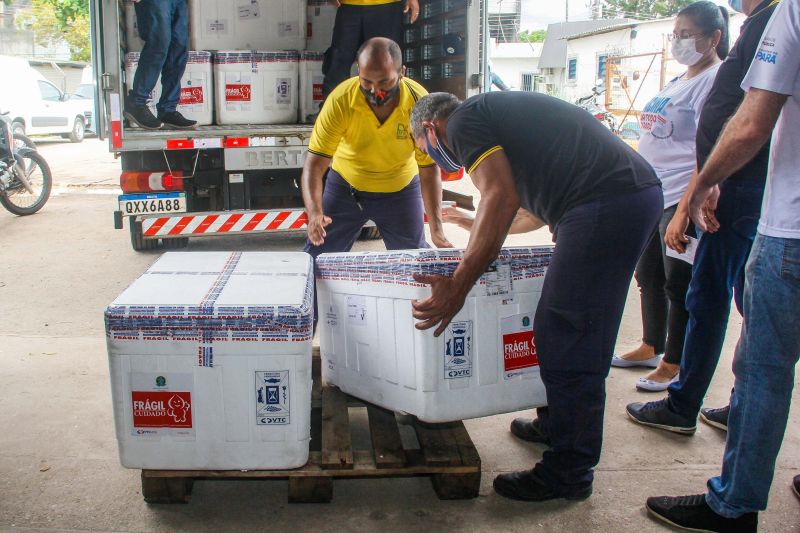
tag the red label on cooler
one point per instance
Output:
(237, 92)
(191, 95)
(519, 350)
(161, 409)
(317, 92)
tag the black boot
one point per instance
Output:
(141, 116)
(529, 430)
(173, 119)
(529, 487)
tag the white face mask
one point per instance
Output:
(685, 52)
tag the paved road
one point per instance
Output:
(58, 454)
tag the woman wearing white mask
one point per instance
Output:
(669, 124)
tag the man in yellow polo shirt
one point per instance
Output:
(376, 172)
(356, 22)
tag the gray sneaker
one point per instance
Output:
(659, 415)
(716, 417)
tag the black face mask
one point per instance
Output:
(379, 98)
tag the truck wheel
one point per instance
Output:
(175, 244)
(370, 233)
(138, 242)
(78, 131)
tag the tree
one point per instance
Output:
(645, 9)
(534, 36)
(53, 21)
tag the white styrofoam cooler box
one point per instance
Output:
(311, 79)
(210, 362)
(247, 24)
(197, 86)
(321, 18)
(256, 87)
(484, 363)
(132, 38)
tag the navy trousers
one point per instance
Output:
(399, 216)
(164, 27)
(577, 321)
(354, 25)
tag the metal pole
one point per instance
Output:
(566, 18)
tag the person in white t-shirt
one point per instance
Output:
(669, 123)
(769, 346)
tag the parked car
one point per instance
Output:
(85, 92)
(36, 106)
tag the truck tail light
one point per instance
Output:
(451, 176)
(151, 181)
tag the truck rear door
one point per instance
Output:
(98, 56)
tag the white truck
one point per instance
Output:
(234, 179)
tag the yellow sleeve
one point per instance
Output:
(330, 126)
(423, 160)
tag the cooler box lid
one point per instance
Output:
(268, 296)
(397, 267)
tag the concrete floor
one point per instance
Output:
(58, 454)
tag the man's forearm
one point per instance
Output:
(743, 136)
(489, 230)
(431, 186)
(311, 182)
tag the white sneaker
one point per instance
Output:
(648, 385)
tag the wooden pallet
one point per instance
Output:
(446, 454)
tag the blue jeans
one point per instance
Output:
(717, 275)
(577, 321)
(164, 28)
(763, 365)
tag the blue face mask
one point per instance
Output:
(736, 5)
(442, 156)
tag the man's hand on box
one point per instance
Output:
(446, 299)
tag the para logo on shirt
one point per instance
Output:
(767, 56)
(402, 132)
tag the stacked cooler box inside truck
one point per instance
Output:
(253, 82)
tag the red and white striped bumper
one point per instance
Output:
(195, 224)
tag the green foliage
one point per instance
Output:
(648, 9)
(55, 20)
(535, 36)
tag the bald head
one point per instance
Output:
(379, 53)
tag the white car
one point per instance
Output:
(36, 106)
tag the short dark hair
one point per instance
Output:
(710, 17)
(378, 45)
(434, 106)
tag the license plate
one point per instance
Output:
(150, 204)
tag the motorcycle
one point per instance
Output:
(589, 103)
(25, 177)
